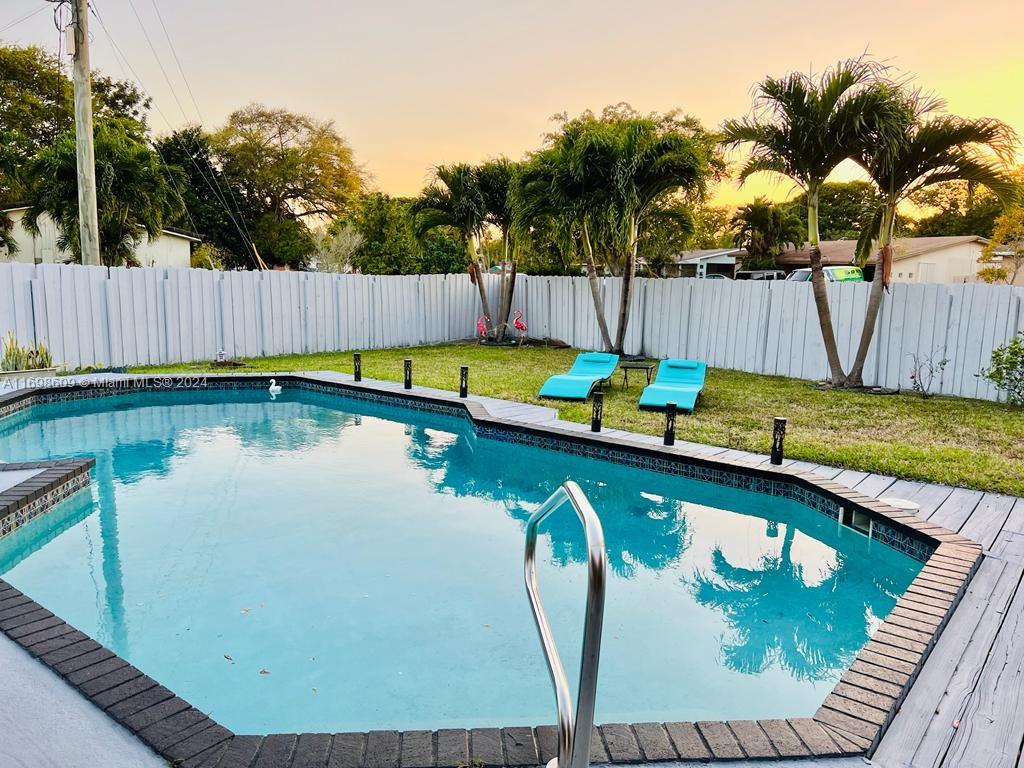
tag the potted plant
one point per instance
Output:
(26, 362)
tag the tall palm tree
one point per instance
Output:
(922, 151)
(605, 174)
(495, 179)
(549, 193)
(454, 199)
(764, 229)
(801, 128)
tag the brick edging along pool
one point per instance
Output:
(850, 721)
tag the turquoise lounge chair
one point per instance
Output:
(589, 370)
(678, 381)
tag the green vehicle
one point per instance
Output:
(832, 275)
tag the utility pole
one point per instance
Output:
(88, 219)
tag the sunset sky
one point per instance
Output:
(413, 84)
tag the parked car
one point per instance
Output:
(716, 276)
(832, 274)
(761, 274)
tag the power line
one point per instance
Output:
(195, 103)
(22, 18)
(174, 94)
(214, 186)
(174, 53)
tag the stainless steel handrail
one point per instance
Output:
(573, 736)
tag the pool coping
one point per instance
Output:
(850, 722)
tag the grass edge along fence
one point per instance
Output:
(104, 316)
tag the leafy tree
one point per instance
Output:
(957, 208)
(336, 247)
(601, 176)
(764, 229)
(136, 192)
(207, 256)
(388, 244)
(843, 207)
(711, 227)
(802, 127)
(1005, 251)
(37, 105)
(286, 242)
(667, 232)
(214, 206)
(916, 152)
(288, 166)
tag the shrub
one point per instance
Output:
(1006, 371)
(19, 358)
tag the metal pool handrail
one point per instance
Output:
(573, 736)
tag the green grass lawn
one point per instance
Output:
(971, 443)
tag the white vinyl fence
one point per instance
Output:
(118, 316)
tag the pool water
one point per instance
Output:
(319, 563)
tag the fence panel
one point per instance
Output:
(117, 316)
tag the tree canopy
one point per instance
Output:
(388, 244)
(843, 208)
(137, 193)
(764, 229)
(37, 105)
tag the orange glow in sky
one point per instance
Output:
(412, 85)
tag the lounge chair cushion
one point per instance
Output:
(587, 371)
(678, 381)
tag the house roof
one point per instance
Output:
(839, 252)
(175, 231)
(691, 257)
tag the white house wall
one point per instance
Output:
(169, 250)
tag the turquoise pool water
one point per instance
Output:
(318, 563)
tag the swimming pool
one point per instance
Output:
(321, 563)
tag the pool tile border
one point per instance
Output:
(850, 721)
(37, 495)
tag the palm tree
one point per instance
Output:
(138, 193)
(549, 194)
(604, 174)
(802, 128)
(919, 153)
(455, 199)
(496, 179)
(779, 616)
(764, 229)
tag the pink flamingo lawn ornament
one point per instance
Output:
(517, 321)
(481, 325)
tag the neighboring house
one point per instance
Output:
(172, 249)
(915, 259)
(702, 263)
(1009, 260)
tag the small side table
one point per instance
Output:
(647, 368)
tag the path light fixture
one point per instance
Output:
(408, 373)
(357, 366)
(597, 412)
(670, 423)
(778, 440)
(464, 381)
